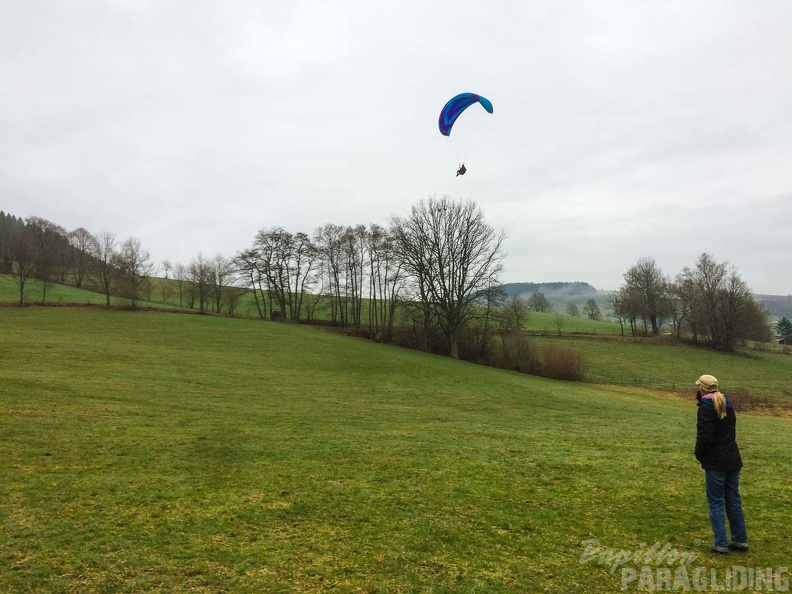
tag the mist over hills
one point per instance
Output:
(562, 293)
(559, 293)
(779, 306)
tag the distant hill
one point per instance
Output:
(779, 306)
(559, 293)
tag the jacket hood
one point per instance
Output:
(707, 399)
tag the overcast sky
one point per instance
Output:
(621, 129)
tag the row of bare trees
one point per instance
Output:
(35, 248)
(39, 249)
(537, 301)
(438, 263)
(438, 267)
(453, 260)
(709, 302)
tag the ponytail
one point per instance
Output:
(719, 400)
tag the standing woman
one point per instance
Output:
(717, 451)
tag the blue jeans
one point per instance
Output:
(723, 495)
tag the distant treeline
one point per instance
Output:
(567, 288)
(558, 293)
(437, 268)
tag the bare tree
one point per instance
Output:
(328, 240)
(385, 279)
(180, 275)
(301, 272)
(81, 241)
(453, 255)
(708, 276)
(286, 263)
(104, 255)
(682, 302)
(740, 317)
(540, 303)
(247, 267)
(616, 305)
(135, 267)
(221, 276)
(710, 301)
(354, 250)
(517, 311)
(488, 312)
(273, 248)
(62, 254)
(50, 240)
(572, 310)
(23, 251)
(559, 322)
(199, 277)
(647, 281)
(592, 310)
(233, 295)
(632, 308)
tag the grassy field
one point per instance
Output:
(61, 294)
(144, 452)
(9, 292)
(623, 360)
(643, 363)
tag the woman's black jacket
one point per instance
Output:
(716, 439)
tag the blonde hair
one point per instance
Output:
(719, 400)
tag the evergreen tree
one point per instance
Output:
(784, 330)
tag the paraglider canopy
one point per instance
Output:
(454, 108)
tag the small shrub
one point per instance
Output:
(743, 400)
(521, 354)
(563, 363)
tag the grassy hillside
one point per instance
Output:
(34, 292)
(548, 323)
(60, 294)
(638, 362)
(643, 363)
(144, 452)
(165, 293)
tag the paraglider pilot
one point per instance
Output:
(461, 170)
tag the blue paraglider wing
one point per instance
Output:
(454, 108)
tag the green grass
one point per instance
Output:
(144, 452)
(9, 292)
(548, 323)
(64, 294)
(635, 362)
(644, 363)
